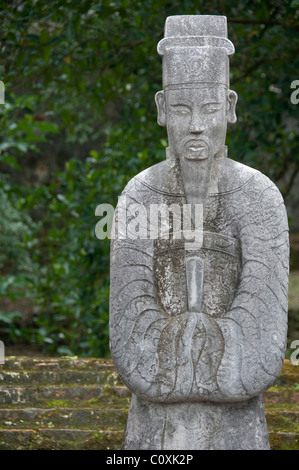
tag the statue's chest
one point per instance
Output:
(203, 280)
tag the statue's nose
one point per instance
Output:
(197, 125)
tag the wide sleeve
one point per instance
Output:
(255, 327)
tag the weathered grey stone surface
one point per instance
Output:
(198, 333)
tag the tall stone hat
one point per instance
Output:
(195, 51)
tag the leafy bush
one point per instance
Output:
(86, 72)
(17, 267)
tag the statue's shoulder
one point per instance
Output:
(154, 174)
(162, 178)
(239, 177)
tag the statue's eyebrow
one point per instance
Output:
(213, 103)
(180, 104)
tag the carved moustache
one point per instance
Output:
(196, 149)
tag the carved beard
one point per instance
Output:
(195, 160)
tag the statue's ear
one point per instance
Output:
(160, 102)
(232, 99)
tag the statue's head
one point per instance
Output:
(196, 103)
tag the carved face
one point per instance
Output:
(196, 119)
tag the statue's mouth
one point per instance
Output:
(196, 150)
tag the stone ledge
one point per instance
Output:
(284, 440)
(59, 377)
(68, 418)
(60, 439)
(68, 404)
(25, 363)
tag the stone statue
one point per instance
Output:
(198, 332)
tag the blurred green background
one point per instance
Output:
(79, 121)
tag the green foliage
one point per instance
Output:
(21, 131)
(86, 72)
(17, 266)
(73, 290)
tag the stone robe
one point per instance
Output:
(197, 378)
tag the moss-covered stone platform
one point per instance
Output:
(66, 403)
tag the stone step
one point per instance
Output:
(284, 395)
(70, 397)
(25, 363)
(90, 418)
(63, 418)
(60, 439)
(62, 377)
(82, 379)
(284, 441)
(69, 403)
(105, 368)
(289, 374)
(283, 421)
(281, 397)
(74, 396)
(77, 439)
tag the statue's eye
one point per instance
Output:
(212, 107)
(181, 110)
